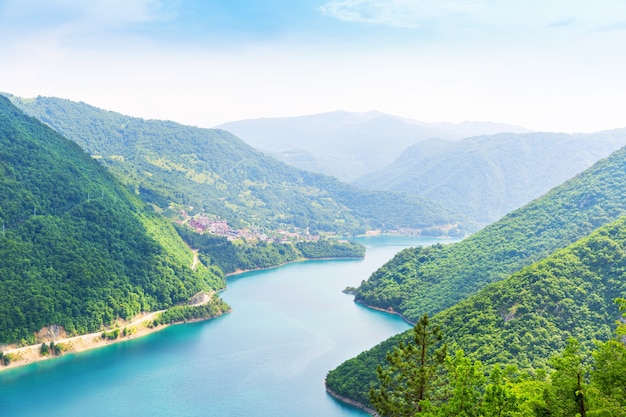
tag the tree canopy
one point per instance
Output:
(418, 380)
(526, 318)
(76, 248)
(430, 279)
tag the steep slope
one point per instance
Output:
(428, 280)
(488, 176)
(348, 145)
(76, 249)
(527, 317)
(214, 171)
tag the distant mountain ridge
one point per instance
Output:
(216, 172)
(486, 177)
(348, 145)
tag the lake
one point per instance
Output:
(289, 327)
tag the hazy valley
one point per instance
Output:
(349, 145)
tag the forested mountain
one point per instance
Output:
(230, 257)
(486, 177)
(430, 279)
(214, 171)
(528, 317)
(76, 248)
(348, 145)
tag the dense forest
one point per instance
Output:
(425, 377)
(231, 257)
(184, 313)
(523, 311)
(430, 279)
(76, 248)
(212, 170)
(526, 319)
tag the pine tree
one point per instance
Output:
(407, 384)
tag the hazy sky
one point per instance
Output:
(555, 65)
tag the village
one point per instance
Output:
(202, 223)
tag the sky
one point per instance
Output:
(548, 65)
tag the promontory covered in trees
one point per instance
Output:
(516, 291)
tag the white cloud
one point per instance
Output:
(398, 13)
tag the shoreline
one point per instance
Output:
(395, 313)
(27, 355)
(244, 271)
(350, 402)
(136, 328)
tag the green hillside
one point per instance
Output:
(486, 177)
(430, 279)
(214, 171)
(231, 257)
(76, 248)
(526, 318)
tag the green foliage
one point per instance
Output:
(57, 348)
(76, 248)
(621, 326)
(428, 280)
(566, 395)
(531, 315)
(420, 379)
(467, 379)
(527, 318)
(177, 314)
(570, 385)
(408, 382)
(214, 171)
(230, 257)
(323, 249)
(609, 376)
(500, 399)
(6, 359)
(112, 335)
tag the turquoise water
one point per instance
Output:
(269, 357)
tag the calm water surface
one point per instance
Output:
(269, 357)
